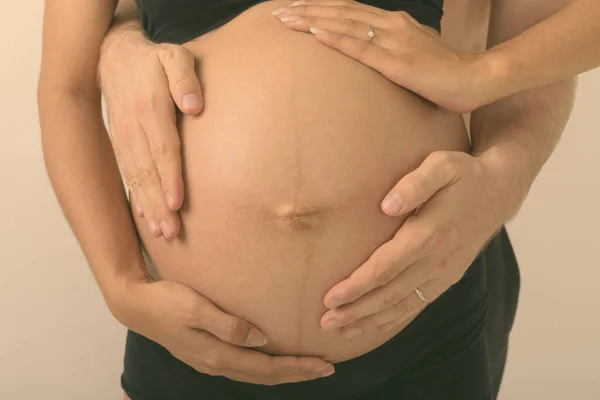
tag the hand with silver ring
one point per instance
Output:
(393, 43)
(456, 201)
(455, 207)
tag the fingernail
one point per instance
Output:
(334, 303)
(291, 18)
(170, 201)
(281, 11)
(388, 327)
(297, 3)
(255, 338)
(138, 208)
(331, 325)
(392, 204)
(191, 100)
(324, 367)
(317, 31)
(152, 225)
(328, 371)
(166, 228)
(352, 333)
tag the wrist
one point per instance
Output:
(120, 291)
(511, 173)
(116, 49)
(492, 76)
(127, 30)
(120, 37)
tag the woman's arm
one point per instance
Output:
(77, 152)
(86, 179)
(556, 46)
(564, 44)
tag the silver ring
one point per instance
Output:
(421, 295)
(371, 33)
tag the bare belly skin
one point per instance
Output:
(284, 173)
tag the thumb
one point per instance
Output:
(184, 85)
(418, 186)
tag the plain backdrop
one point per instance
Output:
(58, 340)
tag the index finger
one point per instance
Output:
(382, 266)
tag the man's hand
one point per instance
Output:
(195, 331)
(140, 80)
(461, 201)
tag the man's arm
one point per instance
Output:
(517, 134)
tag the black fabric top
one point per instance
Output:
(177, 21)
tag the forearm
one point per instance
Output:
(85, 177)
(519, 133)
(563, 45)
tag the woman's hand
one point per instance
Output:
(140, 80)
(403, 50)
(201, 335)
(461, 202)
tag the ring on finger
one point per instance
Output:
(421, 295)
(371, 33)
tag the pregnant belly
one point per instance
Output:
(284, 173)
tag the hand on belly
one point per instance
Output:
(285, 172)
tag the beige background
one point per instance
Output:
(58, 340)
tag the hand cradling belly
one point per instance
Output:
(284, 173)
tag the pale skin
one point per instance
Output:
(433, 249)
(428, 253)
(84, 174)
(507, 155)
(561, 39)
(560, 46)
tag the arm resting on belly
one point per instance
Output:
(518, 134)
